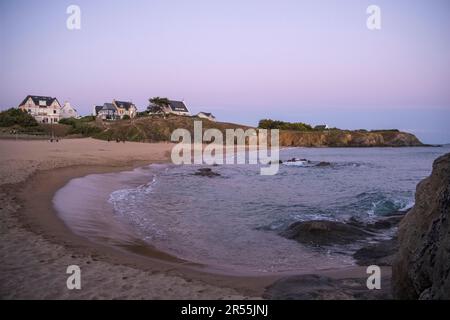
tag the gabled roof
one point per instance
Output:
(124, 104)
(109, 106)
(208, 114)
(97, 109)
(37, 99)
(67, 105)
(178, 106)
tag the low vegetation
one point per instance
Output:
(14, 116)
(85, 126)
(282, 125)
(156, 128)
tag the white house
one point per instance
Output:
(67, 111)
(43, 109)
(206, 115)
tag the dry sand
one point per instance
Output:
(33, 259)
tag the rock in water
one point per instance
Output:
(323, 164)
(380, 254)
(382, 223)
(324, 232)
(422, 267)
(316, 287)
(206, 172)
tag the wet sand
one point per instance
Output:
(36, 246)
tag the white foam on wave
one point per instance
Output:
(398, 204)
(298, 163)
(122, 201)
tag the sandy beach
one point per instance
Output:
(36, 247)
(36, 250)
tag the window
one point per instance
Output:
(54, 111)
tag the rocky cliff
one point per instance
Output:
(422, 267)
(155, 128)
(345, 138)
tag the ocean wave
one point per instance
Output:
(379, 204)
(126, 206)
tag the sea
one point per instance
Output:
(233, 221)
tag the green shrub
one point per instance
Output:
(81, 126)
(85, 129)
(142, 114)
(281, 125)
(69, 121)
(87, 118)
(126, 117)
(15, 116)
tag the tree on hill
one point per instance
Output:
(157, 105)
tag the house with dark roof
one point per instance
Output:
(178, 108)
(206, 115)
(44, 109)
(96, 110)
(108, 112)
(166, 106)
(321, 127)
(115, 110)
(125, 108)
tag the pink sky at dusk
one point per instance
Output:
(311, 61)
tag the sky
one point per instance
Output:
(312, 61)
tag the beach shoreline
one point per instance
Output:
(50, 246)
(32, 216)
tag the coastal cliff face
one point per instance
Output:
(422, 267)
(344, 138)
(158, 129)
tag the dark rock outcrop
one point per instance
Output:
(315, 287)
(324, 232)
(382, 223)
(206, 172)
(422, 267)
(323, 164)
(382, 253)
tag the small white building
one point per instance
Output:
(206, 115)
(67, 111)
(43, 109)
